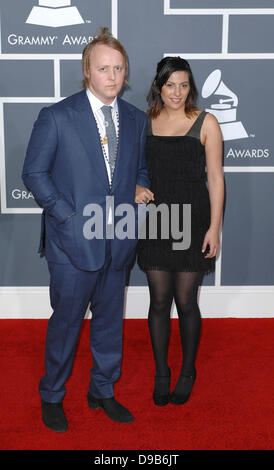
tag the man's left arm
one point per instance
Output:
(142, 176)
(143, 194)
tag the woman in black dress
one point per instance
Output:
(182, 140)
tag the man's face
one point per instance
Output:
(106, 72)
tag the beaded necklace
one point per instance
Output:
(104, 141)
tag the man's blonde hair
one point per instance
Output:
(103, 37)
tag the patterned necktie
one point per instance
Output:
(111, 135)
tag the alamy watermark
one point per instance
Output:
(141, 222)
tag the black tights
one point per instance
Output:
(164, 286)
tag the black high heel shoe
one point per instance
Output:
(161, 394)
(182, 390)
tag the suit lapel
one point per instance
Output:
(127, 137)
(87, 130)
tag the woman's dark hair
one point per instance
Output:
(165, 68)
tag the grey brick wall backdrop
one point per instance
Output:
(230, 46)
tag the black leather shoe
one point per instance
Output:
(113, 409)
(161, 393)
(183, 388)
(54, 417)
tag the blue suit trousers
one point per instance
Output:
(71, 292)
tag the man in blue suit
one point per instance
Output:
(84, 151)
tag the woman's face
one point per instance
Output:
(175, 91)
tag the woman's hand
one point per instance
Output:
(143, 195)
(213, 147)
(212, 240)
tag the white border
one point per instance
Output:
(114, 18)
(225, 13)
(215, 11)
(215, 302)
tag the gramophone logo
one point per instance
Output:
(226, 109)
(54, 13)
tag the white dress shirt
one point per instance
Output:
(96, 106)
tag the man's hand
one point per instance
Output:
(143, 195)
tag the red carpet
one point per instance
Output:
(231, 407)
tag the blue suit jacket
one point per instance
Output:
(65, 170)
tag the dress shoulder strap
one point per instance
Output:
(195, 130)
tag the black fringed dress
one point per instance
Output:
(176, 168)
